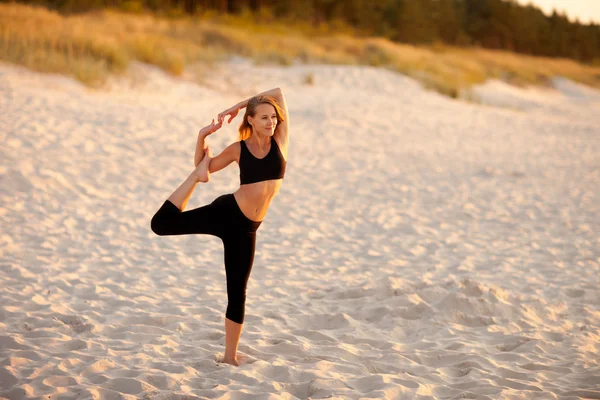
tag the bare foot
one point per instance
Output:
(202, 174)
(228, 360)
(232, 361)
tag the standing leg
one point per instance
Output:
(233, 331)
(239, 257)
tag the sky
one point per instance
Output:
(586, 10)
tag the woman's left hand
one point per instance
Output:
(210, 129)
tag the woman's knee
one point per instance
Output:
(236, 307)
(157, 224)
(161, 221)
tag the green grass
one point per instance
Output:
(93, 46)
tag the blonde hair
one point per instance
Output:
(245, 129)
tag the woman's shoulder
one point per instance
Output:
(233, 150)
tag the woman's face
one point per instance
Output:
(264, 121)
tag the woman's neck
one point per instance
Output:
(260, 141)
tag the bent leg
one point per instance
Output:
(170, 220)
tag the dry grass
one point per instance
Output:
(92, 46)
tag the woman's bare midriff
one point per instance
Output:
(254, 198)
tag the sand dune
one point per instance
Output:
(421, 247)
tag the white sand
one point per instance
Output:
(420, 247)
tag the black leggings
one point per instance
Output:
(224, 219)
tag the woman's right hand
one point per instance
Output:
(210, 129)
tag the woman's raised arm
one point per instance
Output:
(200, 145)
(233, 110)
(282, 129)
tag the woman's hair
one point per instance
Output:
(245, 129)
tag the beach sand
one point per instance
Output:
(421, 247)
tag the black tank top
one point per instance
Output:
(252, 169)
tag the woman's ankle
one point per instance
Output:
(231, 360)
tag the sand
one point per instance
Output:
(420, 248)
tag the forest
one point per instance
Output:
(491, 24)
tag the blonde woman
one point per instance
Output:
(261, 154)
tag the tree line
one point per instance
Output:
(493, 24)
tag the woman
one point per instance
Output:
(261, 153)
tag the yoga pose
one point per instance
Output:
(261, 153)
